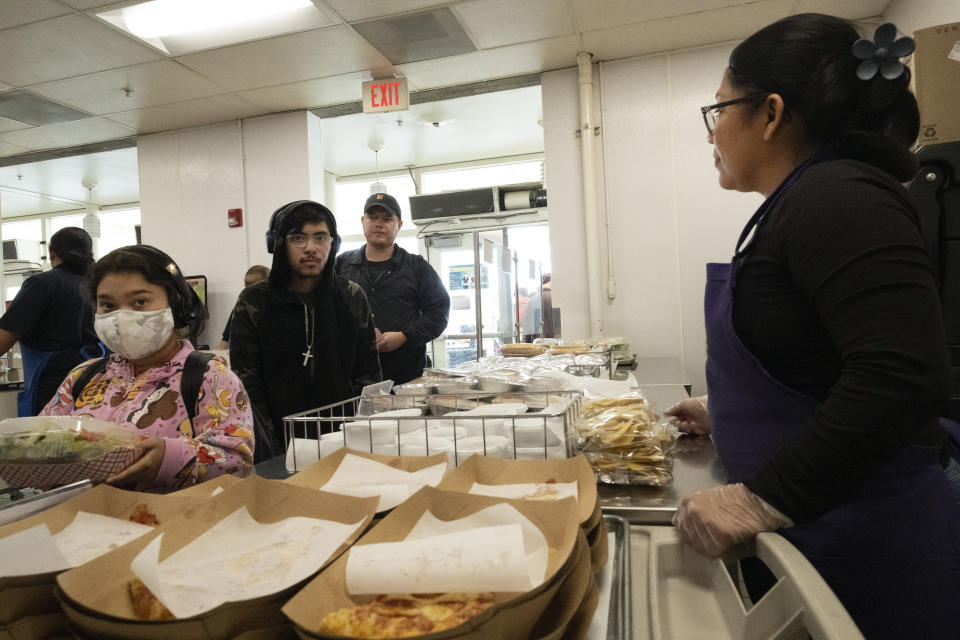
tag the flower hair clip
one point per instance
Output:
(882, 54)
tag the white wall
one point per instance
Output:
(910, 15)
(190, 178)
(667, 214)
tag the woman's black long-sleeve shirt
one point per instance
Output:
(838, 300)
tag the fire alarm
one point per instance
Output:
(234, 217)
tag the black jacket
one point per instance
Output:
(409, 297)
(268, 339)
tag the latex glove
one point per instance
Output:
(146, 468)
(714, 520)
(390, 341)
(691, 416)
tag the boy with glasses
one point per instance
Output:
(303, 338)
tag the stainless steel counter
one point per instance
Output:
(695, 467)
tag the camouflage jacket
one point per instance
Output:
(271, 331)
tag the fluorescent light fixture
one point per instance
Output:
(184, 26)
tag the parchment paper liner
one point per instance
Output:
(514, 614)
(487, 470)
(32, 595)
(96, 598)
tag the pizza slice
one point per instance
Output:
(145, 604)
(406, 616)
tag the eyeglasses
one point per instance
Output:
(300, 240)
(710, 113)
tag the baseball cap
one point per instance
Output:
(384, 200)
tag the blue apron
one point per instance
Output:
(35, 362)
(891, 553)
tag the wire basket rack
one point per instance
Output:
(458, 424)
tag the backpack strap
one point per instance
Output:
(194, 369)
(86, 376)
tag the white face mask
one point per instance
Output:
(134, 334)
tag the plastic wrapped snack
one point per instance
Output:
(626, 442)
(50, 451)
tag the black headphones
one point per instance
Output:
(275, 239)
(184, 301)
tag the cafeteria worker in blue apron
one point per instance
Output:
(52, 321)
(826, 358)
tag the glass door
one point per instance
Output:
(498, 297)
(477, 271)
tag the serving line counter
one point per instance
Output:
(623, 606)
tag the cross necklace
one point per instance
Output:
(309, 323)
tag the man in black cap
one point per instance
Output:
(410, 306)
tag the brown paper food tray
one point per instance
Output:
(85, 623)
(50, 625)
(206, 488)
(486, 470)
(599, 545)
(514, 614)
(555, 620)
(22, 596)
(580, 624)
(320, 472)
(96, 596)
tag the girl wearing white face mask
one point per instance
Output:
(144, 309)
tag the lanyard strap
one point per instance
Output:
(743, 246)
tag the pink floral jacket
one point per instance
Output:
(219, 441)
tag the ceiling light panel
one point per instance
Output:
(417, 36)
(185, 26)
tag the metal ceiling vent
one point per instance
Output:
(417, 36)
(30, 109)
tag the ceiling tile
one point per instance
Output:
(65, 47)
(849, 9)
(354, 10)
(719, 25)
(152, 84)
(301, 56)
(35, 110)
(66, 134)
(10, 149)
(6, 124)
(183, 115)
(84, 5)
(114, 172)
(597, 14)
(490, 124)
(495, 23)
(503, 62)
(18, 12)
(311, 93)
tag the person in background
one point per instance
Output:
(52, 320)
(144, 307)
(826, 358)
(410, 306)
(303, 338)
(254, 274)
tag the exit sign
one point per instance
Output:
(380, 96)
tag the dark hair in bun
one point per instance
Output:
(807, 60)
(74, 247)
